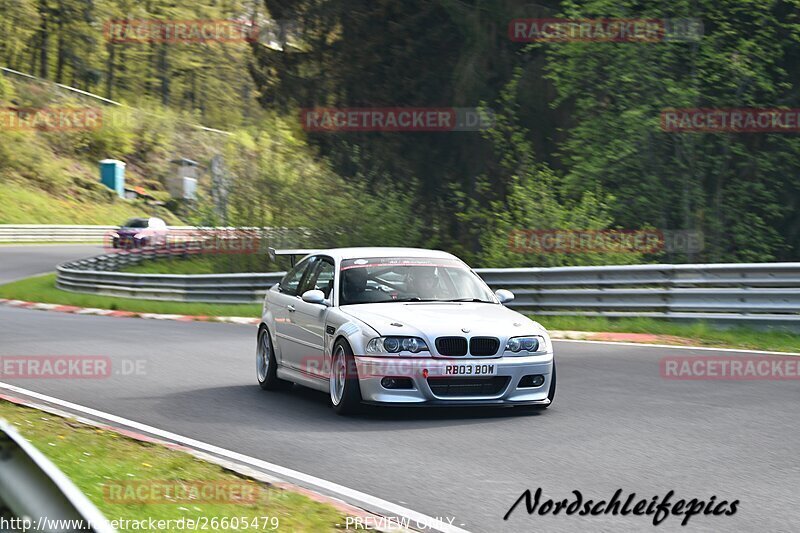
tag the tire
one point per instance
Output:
(550, 395)
(266, 365)
(345, 391)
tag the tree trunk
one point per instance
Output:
(44, 39)
(62, 53)
(110, 70)
(163, 74)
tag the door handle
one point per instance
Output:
(290, 308)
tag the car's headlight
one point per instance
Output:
(384, 345)
(531, 344)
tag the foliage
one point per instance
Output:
(576, 144)
(738, 189)
(586, 115)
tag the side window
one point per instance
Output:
(323, 277)
(291, 281)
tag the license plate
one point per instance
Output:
(470, 370)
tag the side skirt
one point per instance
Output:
(303, 378)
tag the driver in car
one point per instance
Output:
(426, 282)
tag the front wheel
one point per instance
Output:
(344, 387)
(552, 394)
(266, 365)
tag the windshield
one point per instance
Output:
(136, 223)
(397, 279)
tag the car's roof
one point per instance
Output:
(356, 253)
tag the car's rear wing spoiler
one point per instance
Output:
(293, 254)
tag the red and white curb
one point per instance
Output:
(644, 340)
(127, 314)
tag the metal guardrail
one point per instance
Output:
(23, 233)
(37, 494)
(52, 233)
(756, 294)
(59, 232)
(97, 275)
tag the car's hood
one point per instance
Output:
(435, 319)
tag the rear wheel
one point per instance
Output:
(266, 365)
(344, 388)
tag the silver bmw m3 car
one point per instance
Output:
(400, 326)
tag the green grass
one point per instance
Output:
(221, 263)
(43, 289)
(701, 333)
(206, 264)
(96, 460)
(20, 204)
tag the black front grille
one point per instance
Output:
(489, 386)
(484, 345)
(451, 346)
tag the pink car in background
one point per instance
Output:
(140, 232)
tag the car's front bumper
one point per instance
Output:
(371, 370)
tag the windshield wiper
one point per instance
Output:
(478, 300)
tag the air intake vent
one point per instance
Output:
(451, 346)
(444, 387)
(483, 346)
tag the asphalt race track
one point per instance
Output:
(616, 424)
(27, 260)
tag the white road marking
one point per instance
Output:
(351, 495)
(673, 347)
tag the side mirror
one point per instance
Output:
(504, 296)
(315, 296)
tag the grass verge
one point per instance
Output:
(43, 289)
(206, 264)
(99, 461)
(699, 333)
(27, 205)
